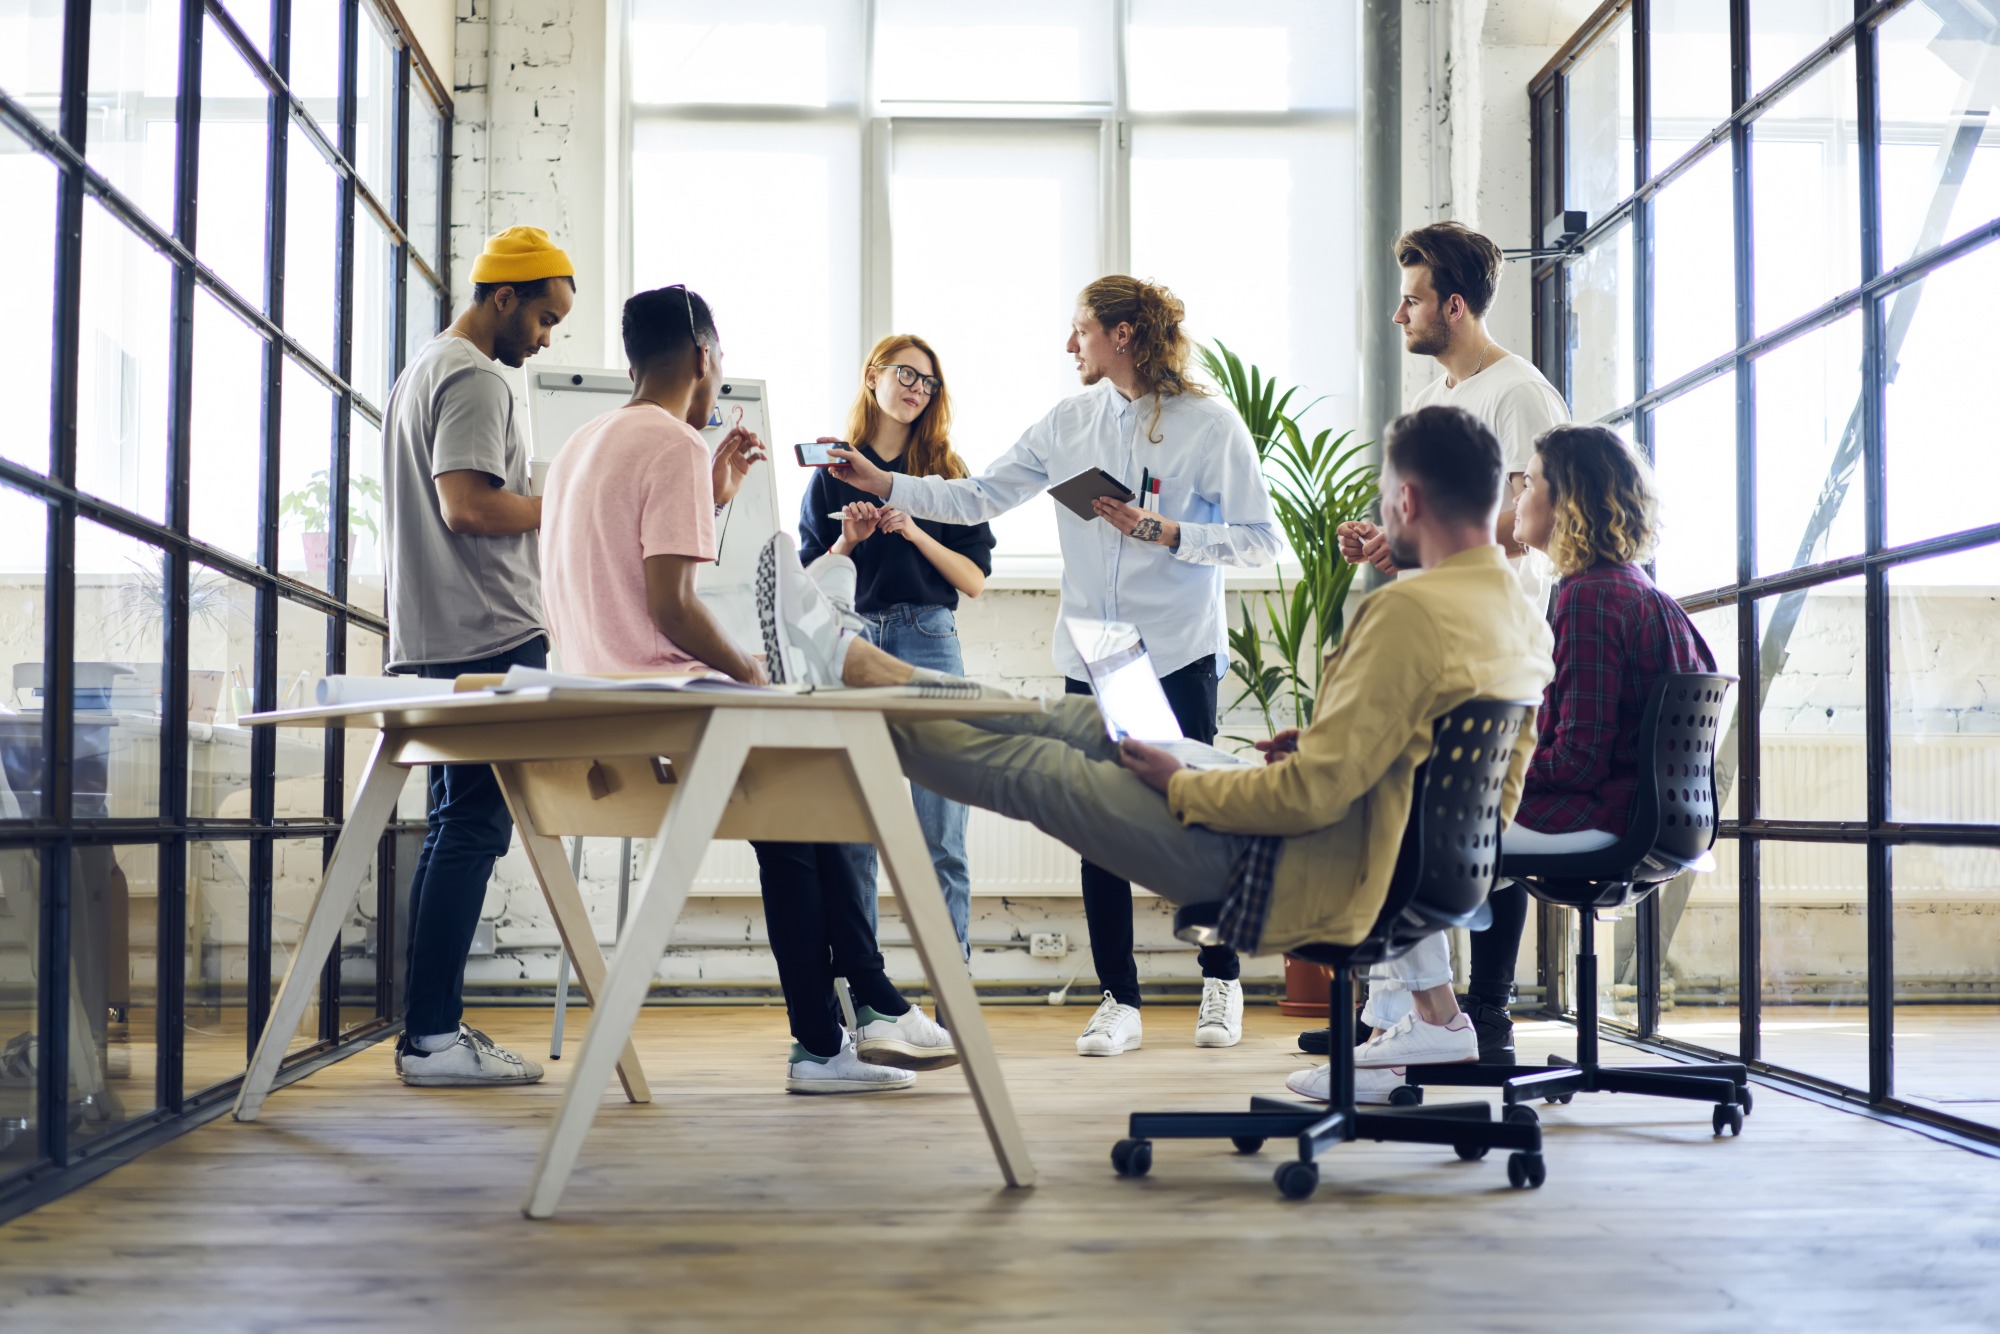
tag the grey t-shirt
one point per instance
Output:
(454, 598)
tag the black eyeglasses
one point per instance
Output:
(910, 378)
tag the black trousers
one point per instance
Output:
(1107, 900)
(819, 929)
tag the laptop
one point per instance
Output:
(1129, 695)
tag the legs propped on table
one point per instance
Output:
(565, 900)
(381, 785)
(885, 794)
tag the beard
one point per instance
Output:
(1427, 340)
(1400, 549)
(515, 343)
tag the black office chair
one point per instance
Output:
(1672, 830)
(1446, 867)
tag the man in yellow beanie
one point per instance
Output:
(465, 595)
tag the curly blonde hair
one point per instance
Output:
(1160, 351)
(1602, 498)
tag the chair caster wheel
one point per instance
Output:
(1247, 1143)
(1743, 1098)
(1132, 1157)
(1560, 1099)
(1520, 1114)
(1297, 1181)
(1470, 1153)
(1406, 1095)
(1728, 1117)
(1526, 1171)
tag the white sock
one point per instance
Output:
(435, 1043)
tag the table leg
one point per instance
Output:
(690, 823)
(878, 775)
(381, 785)
(565, 900)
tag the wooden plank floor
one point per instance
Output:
(358, 1204)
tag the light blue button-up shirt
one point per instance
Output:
(1210, 483)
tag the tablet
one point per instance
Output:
(1086, 486)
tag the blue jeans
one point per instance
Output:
(924, 637)
(469, 829)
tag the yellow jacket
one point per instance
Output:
(1415, 650)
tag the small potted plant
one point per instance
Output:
(309, 509)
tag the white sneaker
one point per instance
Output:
(843, 1072)
(1219, 1023)
(1112, 1030)
(1371, 1084)
(908, 1042)
(1413, 1042)
(473, 1061)
(805, 637)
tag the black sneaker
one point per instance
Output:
(1316, 1041)
(1495, 1028)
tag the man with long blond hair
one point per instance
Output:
(909, 573)
(1157, 564)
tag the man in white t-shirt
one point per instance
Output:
(1450, 273)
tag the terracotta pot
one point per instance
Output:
(1308, 989)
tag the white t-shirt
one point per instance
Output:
(1517, 404)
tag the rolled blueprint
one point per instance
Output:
(337, 690)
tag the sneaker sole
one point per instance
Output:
(466, 1081)
(1216, 1037)
(1119, 1050)
(1417, 1058)
(767, 614)
(817, 1086)
(905, 1056)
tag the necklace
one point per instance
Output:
(1490, 345)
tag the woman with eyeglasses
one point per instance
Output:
(910, 572)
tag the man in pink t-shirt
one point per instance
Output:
(628, 519)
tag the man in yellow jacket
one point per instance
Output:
(1301, 848)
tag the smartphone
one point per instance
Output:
(815, 455)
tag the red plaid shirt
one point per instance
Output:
(1616, 635)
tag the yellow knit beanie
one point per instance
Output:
(521, 255)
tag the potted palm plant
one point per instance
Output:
(1318, 482)
(309, 509)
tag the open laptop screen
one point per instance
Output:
(1127, 688)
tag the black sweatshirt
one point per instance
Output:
(890, 570)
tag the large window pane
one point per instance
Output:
(1184, 55)
(1024, 51)
(1219, 258)
(1694, 268)
(1601, 365)
(312, 217)
(114, 916)
(425, 314)
(1809, 480)
(426, 166)
(296, 867)
(24, 556)
(316, 61)
(120, 619)
(784, 52)
(784, 276)
(1815, 959)
(121, 418)
(301, 770)
(232, 195)
(1939, 425)
(1784, 32)
(28, 231)
(1690, 73)
(375, 259)
(1599, 167)
(305, 461)
(375, 108)
(1940, 156)
(1947, 954)
(134, 78)
(216, 962)
(1694, 465)
(222, 651)
(1805, 196)
(1813, 741)
(1019, 203)
(1944, 708)
(228, 422)
(20, 1018)
(366, 581)
(31, 43)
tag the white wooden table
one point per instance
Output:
(681, 769)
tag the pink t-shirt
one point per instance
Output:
(630, 484)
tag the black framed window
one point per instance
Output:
(1792, 212)
(228, 220)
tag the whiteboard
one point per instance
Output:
(561, 399)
